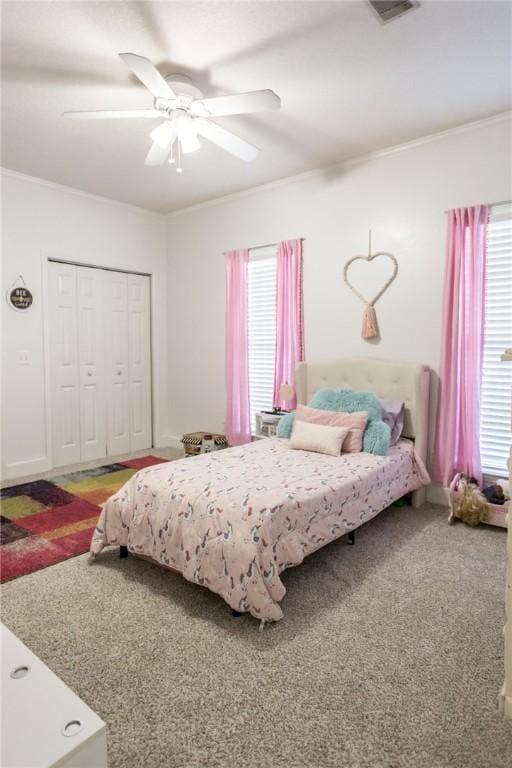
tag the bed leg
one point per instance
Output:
(123, 551)
(235, 614)
(351, 537)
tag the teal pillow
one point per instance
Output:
(377, 434)
(285, 426)
(377, 438)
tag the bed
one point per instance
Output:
(234, 520)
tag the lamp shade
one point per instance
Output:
(286, 392)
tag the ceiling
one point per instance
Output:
(348, 85)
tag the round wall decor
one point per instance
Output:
(19, 297)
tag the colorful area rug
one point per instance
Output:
(45, 521)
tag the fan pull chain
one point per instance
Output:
(179, 169)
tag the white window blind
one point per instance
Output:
(496, 400)
(262, 276)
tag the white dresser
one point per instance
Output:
(44, 724)
(505, 697)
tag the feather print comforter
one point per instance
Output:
(233, 520)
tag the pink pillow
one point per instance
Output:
(321, 438)
(356, 422)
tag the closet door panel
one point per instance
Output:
(117, 363)
(90, 285)
(68, 449)
(64, 366)
(139, 361)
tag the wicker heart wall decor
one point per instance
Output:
(370, 329)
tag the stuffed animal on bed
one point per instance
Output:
(377, 434)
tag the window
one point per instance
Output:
(496, 401)
(262, 291)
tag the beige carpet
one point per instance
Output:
(390, 655)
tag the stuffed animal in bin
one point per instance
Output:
(470, 505)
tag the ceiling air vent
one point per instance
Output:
(387, 10)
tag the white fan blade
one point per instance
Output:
(226, 140)
(149, 75)
(236, 104)
(157, 155)
(105, 114)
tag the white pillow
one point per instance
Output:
(318, 437)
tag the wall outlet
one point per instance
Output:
(23, 357)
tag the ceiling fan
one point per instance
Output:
(186, 114)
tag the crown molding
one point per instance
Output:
(367, 157)
(306, 175)
(79, 192)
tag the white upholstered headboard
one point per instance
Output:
(385, 378)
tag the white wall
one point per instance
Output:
(42, 220)
(401, 195)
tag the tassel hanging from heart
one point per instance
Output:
(370, 328)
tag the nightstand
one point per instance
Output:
(267, 423)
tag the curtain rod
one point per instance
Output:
(491, 205)
(270, 245)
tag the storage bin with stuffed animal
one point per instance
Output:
(469, 504)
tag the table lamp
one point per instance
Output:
(286, 392)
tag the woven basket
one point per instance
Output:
(193, 442)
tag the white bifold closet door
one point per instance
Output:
(139, 362)
(91, 361)
(65, 395)
(100, 363)
(129, 362)
(116, 337)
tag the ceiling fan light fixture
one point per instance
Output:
(189, 144)
(186, 113)
(187, 134)
(163, 134)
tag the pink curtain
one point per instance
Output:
(290, 318)
(238, 423)
(457, 445)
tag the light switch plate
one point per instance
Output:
(23, 357)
